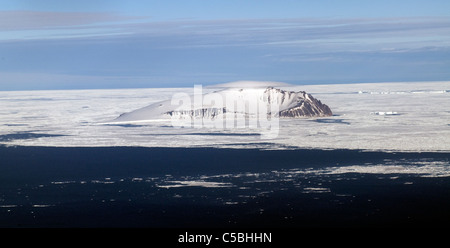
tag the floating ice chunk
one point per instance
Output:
(62, 182)
(177, 184)
(385, 113)
(316, 190)
(102, 182)
(423, 169)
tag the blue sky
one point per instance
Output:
(81, 44)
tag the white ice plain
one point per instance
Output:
(83, 118)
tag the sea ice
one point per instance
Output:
(78, 117)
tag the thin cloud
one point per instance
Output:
(294, 32)
(25, 25)
(16, 25)
(29, 20)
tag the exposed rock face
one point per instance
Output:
(202, 112)
(306, 109)
(299, 104)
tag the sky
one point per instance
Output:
(97, 44)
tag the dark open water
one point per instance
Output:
(207, 187)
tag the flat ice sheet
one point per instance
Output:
(378, 116)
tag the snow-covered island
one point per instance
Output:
(237, 102)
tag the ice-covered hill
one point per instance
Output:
(242, 102)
